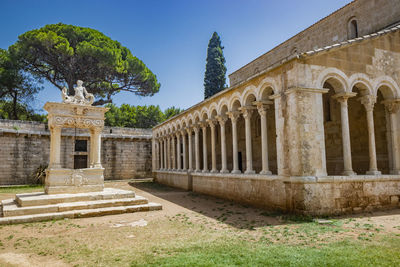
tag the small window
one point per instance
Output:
(353, 29)
(80, 145)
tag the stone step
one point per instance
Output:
(40, 198)
(10, 208)
(79, 213)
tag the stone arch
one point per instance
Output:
(391, 90)
(222, 103)
(249, 98)
(336, 75)
(196, 116)
(204, 114)
(233, 101)
(361, 78)
(267, 83)
(250, 90)
(213, 110)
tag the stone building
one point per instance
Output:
(125, 152)
(311, 126)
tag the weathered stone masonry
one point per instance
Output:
(312, 126)
(24, 146)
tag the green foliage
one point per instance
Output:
(15, 85)
(63, 54)
(22, 111)
(171, 112)
(137, 116)
(214, 78)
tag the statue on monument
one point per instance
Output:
(81, 97)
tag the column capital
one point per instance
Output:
(203, 124)
(183, 131)
(189, 130)
(342, 97)
(247, 111)
(221, 119)
(96, 130)
(262, 106)
(211, 122)
(233, 115)
(196, 128)
(391, 105)
(368, 101)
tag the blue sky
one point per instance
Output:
(171, 36)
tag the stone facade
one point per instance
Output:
(125, 152)
(315, 133)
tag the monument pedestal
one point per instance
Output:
(60, 181)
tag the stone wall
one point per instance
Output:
(371, 16)
(126, 152)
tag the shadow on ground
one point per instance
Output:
(237, 215)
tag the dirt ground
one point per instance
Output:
(19, 243)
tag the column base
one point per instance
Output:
(348, 173)
(224, 171)
(249, 172)
(396, 172)
(204, 171)
(265, 172)
(373, 173)
(236, 171)
(190, 170)
(214, 171)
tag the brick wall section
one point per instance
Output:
(126, 152)
(371, 16)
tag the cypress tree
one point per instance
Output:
(214, 78)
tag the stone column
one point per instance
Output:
(183, 133)
(205, 163)
(234, 115)
(262, 108)
(55, 147)
(222, 120)
(392, 107)
(213, 147)
(189, 132)
(165, 153)
(96, 135)
(197, 147)
(369, 101)
(178, 150)
(173, 153)
(342, 99)
(169, 152)
(247, 111)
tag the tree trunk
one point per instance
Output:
(71, 87)
(15, 115)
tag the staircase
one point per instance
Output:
(34, 207)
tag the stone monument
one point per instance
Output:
(72, 193)
(75, 112)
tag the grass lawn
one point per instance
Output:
(197, 230)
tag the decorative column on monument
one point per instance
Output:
(75, 112)
(369, 102)
(344, 116)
